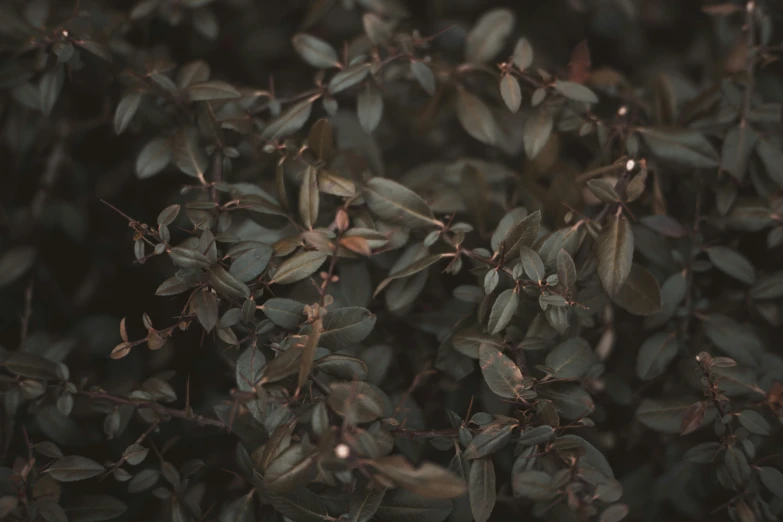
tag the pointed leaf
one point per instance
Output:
(502, 376)
(615, 254)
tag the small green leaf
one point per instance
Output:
(309, 198)
(772, 158)
(348, 77)
(476, 118)
(126, 110)
(492, 438)
(503, 311)
(363, 505)
(15, 262)
(429, 480)
(502, 376)
(533, 485)
(665, 416)
(356, 401)
(423, 74)
(576, 92)
(50, 87)
(481, 489)
(603, 190)
(290, 121)
(615, 254)
(206, 307)
(95, 508)
(531, 262)
(772, 480)
(226, 284)
(566, 270)
(538, 128)
(537, 435)
(571, 359)
(737, 147)
(73, 468)
(753, 422)
(298, 267)
(655, 355)
(488, 36)
(315, 51)
(285, 313)
(369, 108)
(682, 146)
(511, 92)
(731, 262)
(212, 90)
(154, 157)
(397, 204)
(523, 54)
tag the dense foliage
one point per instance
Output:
(411, 261)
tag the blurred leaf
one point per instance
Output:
(423, 74)
(321, 140)
(754, 422)
(737, 147)
(576, 92)
(301, 505)
(640, 294)
(154, 157)
(772, 158)
(665, 416)
(126, 110)
(533, 485)
(15, 262)
(212, 90)
(603, 190)
(488, 36)
(511, 92)
(571, 359)
(369, 107)
(315, 51)
(481, 489)
(476, 118)
(364, 504)
(523, 54)
(356, 401)
(308, 353)
(655, 355)
(95, 508)
(290, 121)
(50, 87)
(294, 467)
(538, 128)
(428, 480)
(348, 77)
(733, 263)
(772, 479)
(685, 147)
(405, 506)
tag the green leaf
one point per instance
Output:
(285, 364)
(503, 311)
(30, 365)
(538, 128)
(397, 204)
(369, 108)
(614, 248)
(321, 140)
(467, 341)
(293, 467)
(768, 286)
(522, 234)
(226, 284)
(737, 148)
(533, 485)
(298, 267)
(665, 416)
(249, 265)
(640, 294)
(363, 505)
(614, 513)
(566, 269)
(290, 121)
(348, 77)
(772, 480)
(476, 118)
(301, 505)
(771, 156)
(125, 112)
(531, 262)
(345, 327)
(196, 71)
(735, 340)
(187, 258)
(315, 51)
(308, 353)
(15, 262)
(537, 435)
(206, 307)
(309, 198)
(405, 506)
(523, 54)
(95, 508)
(571, 359)
(732, 263)
(488, 36)
(502, 376)
(737, 467)
(73, 468)
(655, 355)
(188, 156)
(356, 401)
(428, 480)
(212, 90)
(154, 157)
(492, 438)
(481, 489)
(511, 92)
(285, 313)
(576, 92)
(50, 87)
(603, 190)
(143, 480)
(703, 453)
(753, 422)
(682, 146)
(423, 74)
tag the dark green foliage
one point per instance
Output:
(401, 261)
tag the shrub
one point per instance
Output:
(412, 261)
